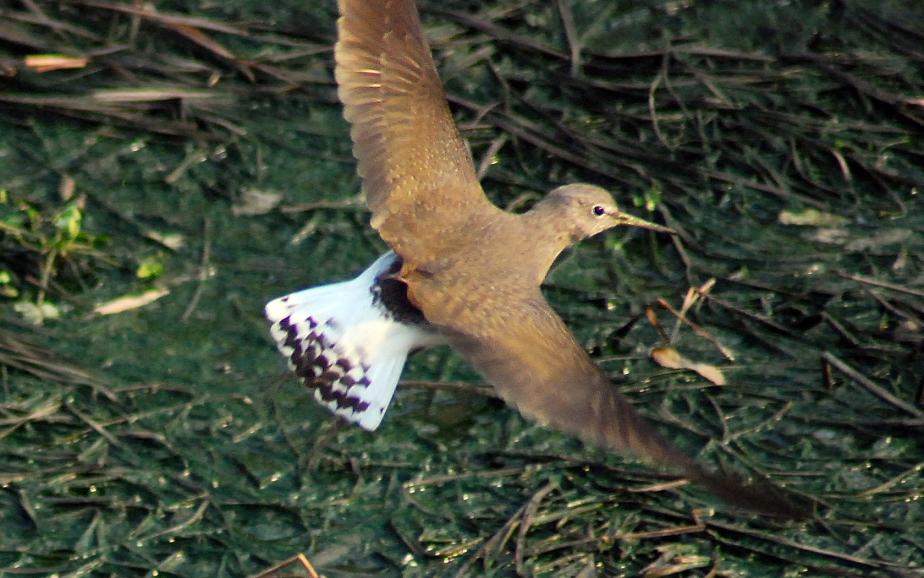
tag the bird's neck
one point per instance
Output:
(549, 233)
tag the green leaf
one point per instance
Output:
(68, 221)
(150, 268)
(7, 289)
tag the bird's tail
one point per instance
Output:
(344, 344)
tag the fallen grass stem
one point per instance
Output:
(870, 386)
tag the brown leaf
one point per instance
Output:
(129, 302)
(670, 358)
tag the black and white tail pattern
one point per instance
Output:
(348, 341)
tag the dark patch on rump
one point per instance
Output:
(391, 294)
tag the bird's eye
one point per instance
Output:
(599, 210)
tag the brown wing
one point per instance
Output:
(536, 365)
(417, 173)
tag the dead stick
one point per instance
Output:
(870, 386)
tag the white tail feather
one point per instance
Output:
(345, 345)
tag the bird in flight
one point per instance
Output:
(461, 271)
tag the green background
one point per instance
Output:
(783, 142)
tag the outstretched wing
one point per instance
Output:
(536, 365)
(417, 173)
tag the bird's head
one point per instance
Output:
(589, 210)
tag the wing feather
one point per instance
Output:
(418, 176)
(537, 366)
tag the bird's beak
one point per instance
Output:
(630, 221)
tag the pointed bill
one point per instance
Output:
(632, 221)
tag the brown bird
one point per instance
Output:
(461, 270)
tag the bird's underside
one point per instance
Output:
(466, 273)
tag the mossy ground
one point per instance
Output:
(204, 157)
